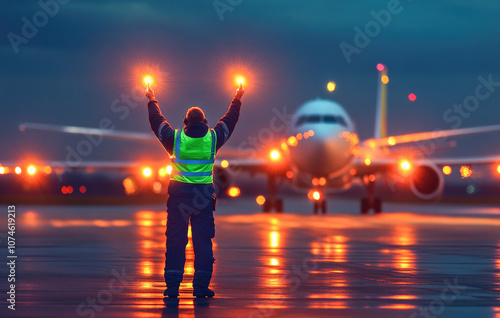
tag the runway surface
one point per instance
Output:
(107, 261)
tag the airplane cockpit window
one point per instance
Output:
(329, 119)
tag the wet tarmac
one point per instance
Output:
(107, 261)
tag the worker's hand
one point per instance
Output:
(239, 92)
(150, 93)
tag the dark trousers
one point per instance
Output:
(181, 211)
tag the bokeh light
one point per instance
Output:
(412, 97)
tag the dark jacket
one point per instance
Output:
(165, 134)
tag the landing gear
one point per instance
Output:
(371, 202)
(272, 202)
(319, 205)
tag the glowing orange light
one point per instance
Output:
(240, 80)
(331, 86)
(315, 181)
(31, 170)
(380, 67)
(368, 161)
(289, 174)
(275, 155)
(298, 136)
(412, 97)
(148, 80)
(2, 170)
(371, 178)
(316, 195)
(292, 141)
(70, 189)
(147, 172)
(47, 169)
(447, 170)
(83, 189)
(260, 200)
(352, 172)
(391, 141)
(405, 165)
(384, 79)
(465, 171)
(162, 172)
(274, 262)
(322, 181)
(224, 163)
(233, 192)
(306, 135)
(311, 133)
(129, 186)
(18, 170)
(498, 168)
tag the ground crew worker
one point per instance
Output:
(191, 189)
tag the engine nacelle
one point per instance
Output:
(426, 181)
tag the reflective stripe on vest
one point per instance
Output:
(193, 158)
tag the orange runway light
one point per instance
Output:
(31, 170)
(447, 170)
(260, 200)
(275, 155)
(465, 171)
(147, 172)
(331, 86)
(233, 192)
(18, 170)
(224, 163)
(405, 165)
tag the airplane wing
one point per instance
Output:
(90, 131)
(394, 140)
(389, 164)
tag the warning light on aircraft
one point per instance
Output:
(385, 79)
(316, 195)
(447, 170)
(18, 170)
(405, 165)
(391, 141)
(224, 163)
(412, 97)
(233, 192)
(147, 172)
(275, 155)
(260, 200)
(331, 86)
(380, 67)
(31, 170)
(465, 171)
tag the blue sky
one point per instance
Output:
(81, 61)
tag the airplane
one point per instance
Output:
(321, 153)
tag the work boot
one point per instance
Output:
(200, 292)
(171, 292)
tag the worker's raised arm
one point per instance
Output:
(227, 123)
(159, 124)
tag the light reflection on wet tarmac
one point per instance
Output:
(267, 265)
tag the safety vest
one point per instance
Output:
(193, 158)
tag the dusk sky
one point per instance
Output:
(88, 54)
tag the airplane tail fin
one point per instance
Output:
(381, 115)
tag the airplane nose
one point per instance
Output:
(322, 153)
